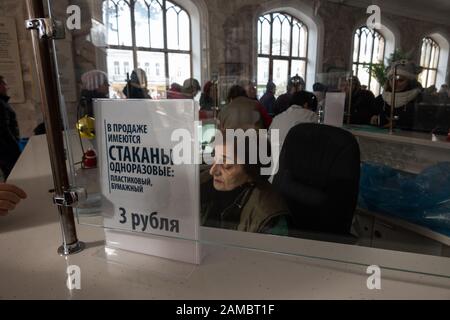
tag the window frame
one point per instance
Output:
(292, 20)
(166, 51)
(427, 69)
(356, 63)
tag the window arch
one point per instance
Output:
(429, 61)
(154, 33)
(369, 48)
(282, 49)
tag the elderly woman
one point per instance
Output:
(237, 196)
(407, 93)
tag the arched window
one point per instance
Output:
(368, 51)
(429, 61)
(282, 50)
(142, 32)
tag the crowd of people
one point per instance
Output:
(237, 196)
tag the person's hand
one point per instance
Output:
(10, 196)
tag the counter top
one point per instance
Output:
(31, 269)
(401, 136)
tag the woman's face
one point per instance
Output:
(226, 173)
(401, 84)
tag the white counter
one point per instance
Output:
(31, 268)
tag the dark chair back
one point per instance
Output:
(318, 175)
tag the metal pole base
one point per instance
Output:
(71, 249)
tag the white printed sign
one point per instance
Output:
(144, 190)
(334, 108)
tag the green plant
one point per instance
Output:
(379, 71)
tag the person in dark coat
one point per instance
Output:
(9, 132)
(268, 98)
(295, 84)
(362, 107)
(408, 93)
(136, 87)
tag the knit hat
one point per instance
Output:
(407, 69)
(296, 80)
(93, 79)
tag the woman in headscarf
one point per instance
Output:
(136, 87)
(408, 92)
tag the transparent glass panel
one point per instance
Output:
(401, 197)
(179, 67)
(153, 63)
(280, 75)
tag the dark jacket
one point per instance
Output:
(134, 92)
(249, 208)
(268, 101)
(362, 108)
(9, 136)
(405, 115)
(282, 103)
(86, 102)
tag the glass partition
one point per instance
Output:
(148, 104)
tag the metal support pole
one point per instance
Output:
(52, 118)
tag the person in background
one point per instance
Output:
(301, 111)
(362, 107)
(238, 91)
(95, 85)
(191, 87)
(235, 195)
(137, 86)
(10, 196)
(320, 91)
(408, 92)
(268, 98)
(206, 98)
(295, 84)
(9, 132)
(174, 91)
